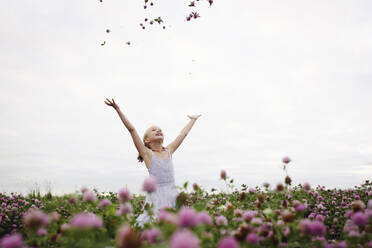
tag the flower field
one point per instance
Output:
(281, 215)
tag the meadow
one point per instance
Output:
(282, 215)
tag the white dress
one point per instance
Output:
(166, 191)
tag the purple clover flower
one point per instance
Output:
(317, 228)
(252, 238)
(85, 220)
(184, 239)
(124, 195)
(149, 185)
(12, 241)
(103, 203)
(228, 242)
(359, 219)
(204, 218)
(187, 217)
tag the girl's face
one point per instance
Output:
(154, 133)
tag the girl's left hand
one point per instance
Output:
(194, 117)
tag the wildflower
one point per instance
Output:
(55, 216)
(42, 232)
(223, 174)
(341, 244)
(86, 219)
(187, 217)
(149, 185)
(279, 187)
(65, 227)
(151, 235)
(221, 220)
(266, 184)
(12, 241)
(304, 226)
(252, 238)
(204, 218)
(228, 242)
(316, 228)
(89, 196)
(256, 220)
(210, 2)
(359, 219)
(127, 237)
(252, 190)
(184, 239)
(103, 203)
(35, 219)
(124, 195)
(248, 215)
(300, 208)
(287, 216)
(124, 209)
(286, 160)
(306, 186)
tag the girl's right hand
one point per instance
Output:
(112, 103)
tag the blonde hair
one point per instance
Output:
(139, 157)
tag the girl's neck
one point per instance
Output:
(156, 147)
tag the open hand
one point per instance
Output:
(194, 117)
(112, 103)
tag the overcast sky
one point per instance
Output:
(270, 78)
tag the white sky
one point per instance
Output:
(270, 78)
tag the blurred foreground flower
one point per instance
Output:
(127, 237)
(12, 241)
(35, 219)
(184, 239)
(149, 185)
(85, 220)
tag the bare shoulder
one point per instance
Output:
(170, 148)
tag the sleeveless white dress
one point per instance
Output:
(166, 192)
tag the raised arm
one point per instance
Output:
(172, 147)
(142, 150)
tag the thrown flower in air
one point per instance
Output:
(85, 220)
(149, 185)
(286, 160)
(192, 4)
(128, 43)
(184, 239)
(107, 30)
(103, 43)
(210, 2)
(12, 241)
(158, 20)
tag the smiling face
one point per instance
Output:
(153, 134)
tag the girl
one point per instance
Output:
(158, 160)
